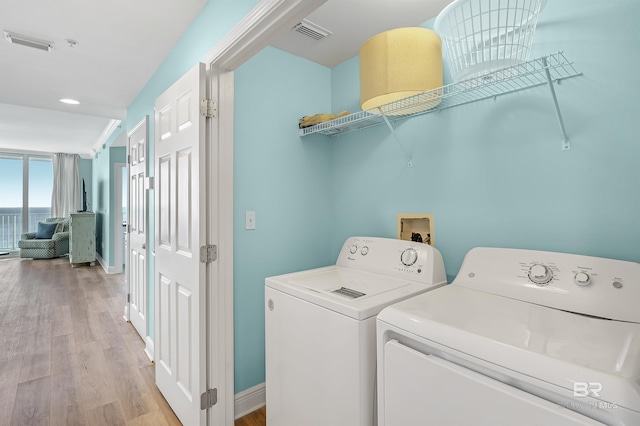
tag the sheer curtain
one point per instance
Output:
(65, 198)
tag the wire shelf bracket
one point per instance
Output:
(393, 132)
(566, 145)
(543, 70)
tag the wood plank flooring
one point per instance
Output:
(66, 355)
(257, 418)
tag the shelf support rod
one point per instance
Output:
(566, 145)
(393, 132)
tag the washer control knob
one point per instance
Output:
(540, 274)
(582, 278)
(364, 250)
(353, 249)
(409, 257)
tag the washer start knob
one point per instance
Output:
(409, 257)
(540, 274)
(582, 278)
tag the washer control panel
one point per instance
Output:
(599, 287)
(391, 257)
(544, 274)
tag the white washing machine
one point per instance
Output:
(320, 329)
(519, 338)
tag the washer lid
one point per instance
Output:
(351, 292)
(348, 283)
(558, 347)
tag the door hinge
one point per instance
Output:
(208, 253)
(128, 159)
(208, 108)
(128, 297)
(208, 399)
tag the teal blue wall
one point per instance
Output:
(116, 155)
(215, 20)
(286, 181)
(492, 172)
(102, 197)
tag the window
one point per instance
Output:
(25, 195)
(11, 200)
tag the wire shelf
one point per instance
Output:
(542, 70)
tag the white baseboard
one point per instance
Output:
(250, 400)
(108, 269)
(149, 348)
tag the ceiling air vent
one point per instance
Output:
(27, 41)
(311, 30)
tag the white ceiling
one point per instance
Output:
(352, 22)
(120, 45)
(37, 129)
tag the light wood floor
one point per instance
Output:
(257, 418)
(66, 355)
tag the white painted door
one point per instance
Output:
(180, 229)
(137, 148)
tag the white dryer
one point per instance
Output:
(320, 330)
(519, 338)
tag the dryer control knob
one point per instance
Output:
(409, 257)
(582, 278)
(540, 274)
(353, 249)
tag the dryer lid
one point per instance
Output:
(552, 345)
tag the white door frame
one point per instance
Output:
(119, 256)
(254, 32)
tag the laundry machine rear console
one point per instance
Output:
(320, 329)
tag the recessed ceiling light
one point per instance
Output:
(69, 101)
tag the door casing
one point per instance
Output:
(253, 33)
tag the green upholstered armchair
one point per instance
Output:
(58, 245)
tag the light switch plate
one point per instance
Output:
(250, 220)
